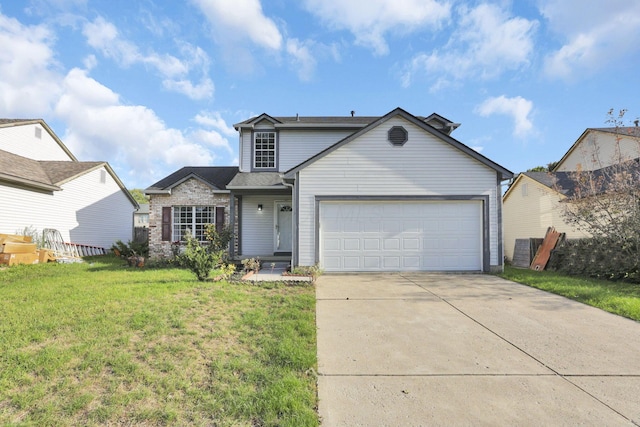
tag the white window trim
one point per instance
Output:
(175, 226)
(254, 150)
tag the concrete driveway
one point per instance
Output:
(463, 349)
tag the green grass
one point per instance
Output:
(99, 343)
(615, 297)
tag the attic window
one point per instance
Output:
(38, 132)
(398, 136)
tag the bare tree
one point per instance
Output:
(606, 202)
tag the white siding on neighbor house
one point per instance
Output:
(22, 140)
(370, 165)
(86, 211)
(528, 214)
(597, 150)
(257, 227)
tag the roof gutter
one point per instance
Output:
(28, 183)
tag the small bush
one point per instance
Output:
(251, 264)
(600, 258)
(202, 258)
(199, 258)
(130, 248)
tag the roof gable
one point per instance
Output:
(504, 173)
(48, 175)
(4, 123)
(216, 177)
(628, 131)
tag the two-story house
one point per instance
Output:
(43, 185)
(352, 193)
(534, 200)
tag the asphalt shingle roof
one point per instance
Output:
(217, 176)
(256, 179)
(39, 172)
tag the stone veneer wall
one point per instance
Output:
(192, 192)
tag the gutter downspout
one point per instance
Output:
(294, 201)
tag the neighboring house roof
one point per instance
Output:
(21, 122)
(256, 180)
(559, 182)
(46, 174)
(143, 209)
(631, 131)
(504, 173)
(564, 182)
(217, 177)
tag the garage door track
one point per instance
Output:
(419, 349)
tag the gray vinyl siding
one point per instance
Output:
(371, 166)
(21, 140)
(245, 150)
(86, 211)
(294, 146)
(257, 228)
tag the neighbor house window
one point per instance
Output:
(192, 218)
(264, 150)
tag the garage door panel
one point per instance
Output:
(371, 244)
(351, 244)
(411, 244)
(391, 262)
(351, 263)
(378, 236)
(391, 244)
(372, 263)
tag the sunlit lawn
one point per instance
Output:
(615, 297)
(100, 343)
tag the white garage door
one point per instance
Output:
(400, 236)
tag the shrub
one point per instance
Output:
(251, 264)
(130, 248)
(198, 258)
(201, 258)
(598, 257)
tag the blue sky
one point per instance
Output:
(154, 85)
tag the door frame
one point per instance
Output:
(276, 213)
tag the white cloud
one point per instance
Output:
(213, 119)
(131, 137)
(104, 36)
(518, 108)
(302, 57)
(243, 19)
(487, 42)
(370, 21)
(29, 77)
(594, 36)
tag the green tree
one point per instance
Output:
(139, 196)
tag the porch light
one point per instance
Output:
(259, 207)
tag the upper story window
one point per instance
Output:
(264, 150)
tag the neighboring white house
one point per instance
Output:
(42, 185)
(533, 201)
(141, 216)
(388, 193)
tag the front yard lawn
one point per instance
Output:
(615, 297)
(100, 343)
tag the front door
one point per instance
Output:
(283, 227)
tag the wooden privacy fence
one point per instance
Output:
(140, 234)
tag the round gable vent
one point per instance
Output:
(398, 135)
